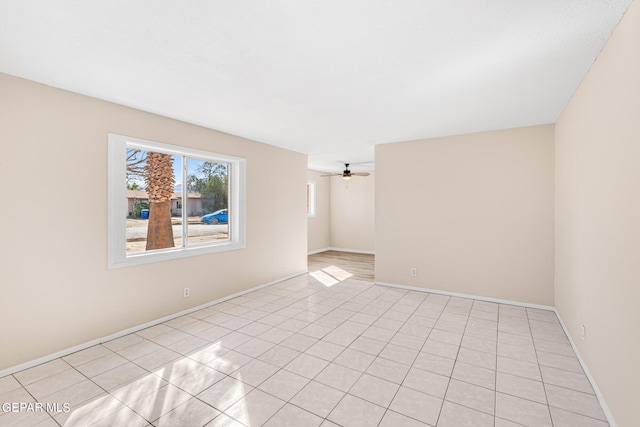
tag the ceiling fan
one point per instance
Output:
(347, 174)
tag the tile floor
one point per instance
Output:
(300, 353)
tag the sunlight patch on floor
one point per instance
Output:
(160, 393)
(337, 272)
(331, 275)
(93, 411)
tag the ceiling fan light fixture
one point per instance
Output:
(346, 175)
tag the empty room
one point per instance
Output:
(320, 213)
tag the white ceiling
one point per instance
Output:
(329, 78)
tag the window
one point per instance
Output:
(169, 202)
(311, 199)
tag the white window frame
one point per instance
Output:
(117, 203)
(311, 194)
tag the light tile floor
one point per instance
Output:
(300, 353)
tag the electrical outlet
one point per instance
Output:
(186, 292)
(414, 272)
(583, 332)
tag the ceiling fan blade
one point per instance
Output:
(332, 174)
(360, 173)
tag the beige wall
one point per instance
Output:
(598, 219)
(352, 213)
(345, 214)
(56, 291)
(472, 213)
(319, 227)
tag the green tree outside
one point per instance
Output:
(211, 182)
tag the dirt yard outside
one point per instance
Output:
(197, 233)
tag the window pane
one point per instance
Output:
(162, 185)
(311, 198)
(207, 201)
(191, 183)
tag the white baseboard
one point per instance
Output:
(603, 404)
(91, 343)
(353, 251)
(599, 395)
(456, 294)
(74, 349)
(317, 251)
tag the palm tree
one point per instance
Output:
(160, 187)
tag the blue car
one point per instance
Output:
(217, 217)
